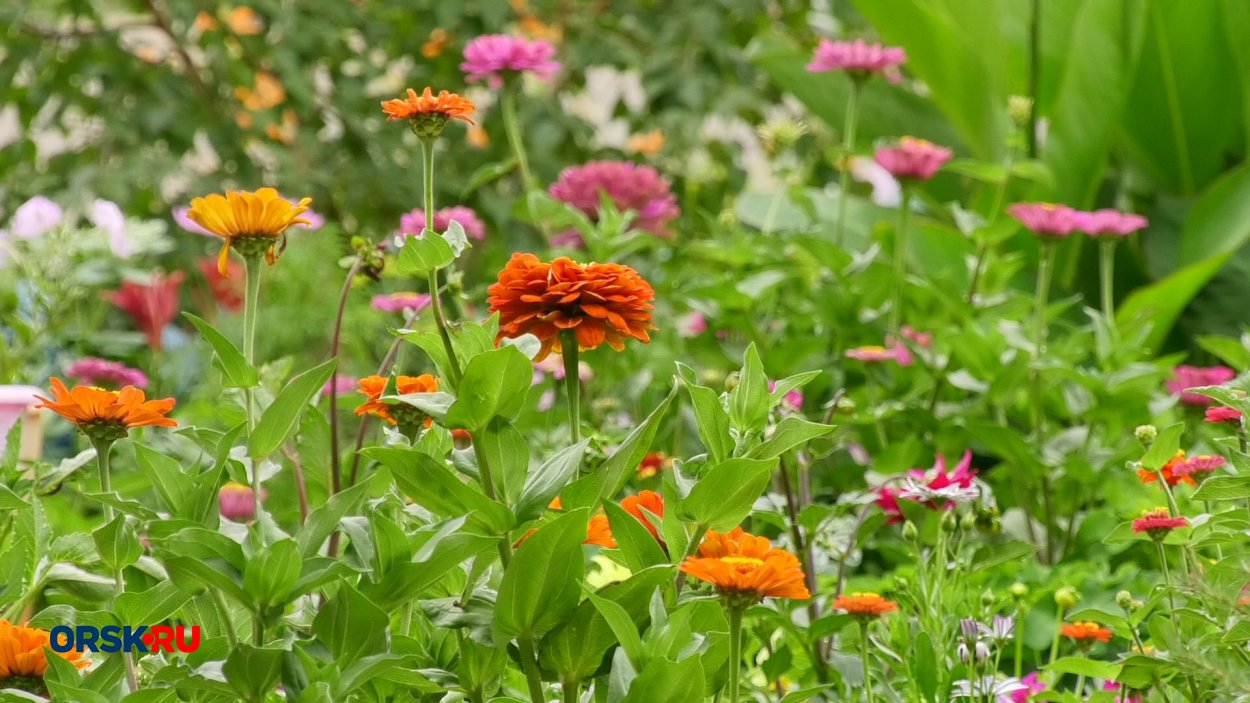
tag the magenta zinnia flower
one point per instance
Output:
(340, 385)
(1114, 223)
(1033, 685)
(859, 59)
(1223, 414)
(936, 488)
(237, 503)
(1158, 523)
(1045, 219)
(629, 186)
(492, 56)
(1185, 377)
(922, 339)
(412, 223)
(107, 374)
(912, 158)
(400, 302)
(1201, 464)
(873, 354)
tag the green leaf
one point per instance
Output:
(279, 419)
(791, 432)
(710, 416)
(723, 497)
(508, 454)
(157, 604)
(1164, 447)
(252, 671)
(610, 478)
(924, 666)
(271, 574)
(622, 625)
(447, 546)
(638, 547)
(541, 585)
(325, 519)
(10, 500)
(545, 483)
(1084, 667)
(665, 681)
(166, 475)
(495, 384)
(236, 372)
(433, 486)
(749, 400)
(1218, 488)
(419, 255)
(1239, 632)
(352, 627)
(117, 543)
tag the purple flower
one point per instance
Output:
(913, 158)
(1045, 219)
(400, 302)
(628, 185)
(106, 215)
(413, 223)
(1100, 223)
(108, 374)
(491, 56)
(858, 58)
(1185, 377)
(340, 385)
(35, 217)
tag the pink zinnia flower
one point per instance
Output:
(692, 324)
(1045, 219)
(1115, 686)
(236, 502)
(1033, 685)
(107, 374)
(922, 339)
(792, 400)
(340, 385)
(872, 354)
(151, 305)
(902, 355)
(1109, 223)
(1201, 464)
(913, 158)
(629, 186)
(936, 488)
(400, 302)
(1223, 414)
(1185, 377)
(859, 59)
(1158, 523)
(35, 217)
(492, 56)
(413, 223)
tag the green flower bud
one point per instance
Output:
(731, 381)
(1124, 599)
(1019, 591)
(910, 533)
(1146, 434)
(987, 598)
(968, 522)
(950, 522)
(1067, 597)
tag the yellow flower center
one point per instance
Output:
(743, 561)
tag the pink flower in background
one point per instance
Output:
(492, 56)
(151, 305)
(1109, 223)
(413, 223)
(1115, 686)
(936, 488)
(400, 302)
(1184, 377)
(107, 374)
(902, 355)
(1033, 685)
(873, 354)
(629, 186)
(692, 324)
(236, 502)
(858, 58)
(106, 215)
(36, 217)
(1045, 219)
(340, 385)
(912, 158)
(924, 340)
(1223, 414)
(554, 365)
(886, 190)
(793, 399)
(1201, 465)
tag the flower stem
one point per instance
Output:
(1054, 643)
(1080, 685)
(336, 468)
(1020, 616)
(735, 652)
(848, 145)
(511, 127)
(436, 303)
(863, 654)
(485, 475)
(529, 664)
(900, 262)
(1042, 294)
(572, 383)
(102, 450)
(1106, 278)
(1167, 580)
(252, 265)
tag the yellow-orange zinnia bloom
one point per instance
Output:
(1168, 471)
(449, 105)
(739, 564)
(22, 652)
(107, 414)
(864, 605)
(372, 387)
(599, 531)
(598, 303)
(1086, 632)
(238, 215)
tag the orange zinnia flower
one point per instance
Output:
(599, 532)
(597, 303)
(745, 566)
(1086, 632)
(107, 415)
(437, 108)
(1169, 472)
(653, 503)
(255, 222)
(373, 387)
(864, 605)
(22, 652)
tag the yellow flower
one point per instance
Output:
(257, 221)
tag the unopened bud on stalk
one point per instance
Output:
(968, 522)
(731, 381)
(1066, 597)
(1019, 108)
(1146, 434)
(910, 533)
(950, 522)
(1019, 591)
(987, 598)
(1125, 600)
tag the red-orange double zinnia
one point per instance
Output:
(372, 387)
(22, 652)
(598, 303)
(448, 105)
(739, 564)
(864, 605)
(103, 414)
(1085, 633)
(1168, 471)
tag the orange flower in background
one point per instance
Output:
(102, 414)
(437, 44)
(650, 501)
(244, 21)
(597, 303)
(646, 143)
(448, 105)
(653, 463)
(864, 605)
(372, 387)
(1169, 472)
(268, 92)
(22, 652)
(243, 216)
(1085, 633)
(599, 532)
(743, 565)
(205, 22)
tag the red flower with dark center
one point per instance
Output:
(150, 305)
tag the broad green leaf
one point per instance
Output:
(638, 547)
(1164, 447)
(545, 483)
(1224, 488)
(723, 497)
(166, 476)
(447, 545)
(541, 585)
(279, 419)
(326, 518)
(622, 625)
(351, 626)
(791, 432)
(425, 253)
(495, 384)
(433, 485)
(710, 416)
(252, 671)
(508, 454)
(117, 543)
(271, 574)
(236, 372)
(157, 604)
(1084, 667)
(610, 478)
(10, 500)
(665, 681)
(749, 400)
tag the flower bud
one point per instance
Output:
(910, 533)
(1066, 597)
(950, 522)
(968, 522)
(1124, 599)
(731, 381)
(1146, 434)
(962, 652)
(1019, 108)
(1019, 591)
(987, 598)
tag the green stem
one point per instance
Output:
(1106, 277)
(529, 664)
(1080, 685)
(486, 477)
(691, 548)
(848, 146)
(900, 263)
(735, 652)
(252, 265)
(1019, 633)
(223, 611)
(1167, 580)
(102, 451)
(436, 303)
(1035, 69)
(1044, 271)
(874, 399)
(863, 654)
(572, 383)
(406, 621)
(258, 629)
(1054, 643)
(572, 690)
(512, 128)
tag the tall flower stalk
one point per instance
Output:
(436, 304)
(900, 262)
(512, 128)
(849, 123)
(572, 384)
(251, 303)
(103, 447)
